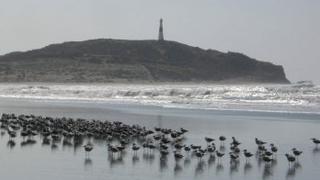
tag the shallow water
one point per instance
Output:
(286, 130)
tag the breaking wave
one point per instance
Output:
(297, 97)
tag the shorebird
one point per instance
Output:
(178, 146)
(112, 149)
(211, 149)
(261, 149)
(247, 154)
(315, 141)
(177, 155)
(12, 134)
(235, 149)
(88, 147)
(222, 139)
(235, 142)
(259, 142)
(183, 130)
(164, 152)
(199, 154)
(187, 149)
(267, 159)
(208, 140)
(233, 157)
(163, 146)
(290, 158)
(296, 152)
(219, 154)
(268, 153)
(157, 129)
(157, 137)
(135, 148)
(193, 147)
(274, 149)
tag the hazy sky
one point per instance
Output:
(285, 32)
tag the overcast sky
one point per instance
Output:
(285, 32)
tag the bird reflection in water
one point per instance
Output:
(211, 160)
(77, 143)
(222, 148)
(199, 168)
(46, 141)
(163, 163)
(148, 157)
(87, 162)
(66, 143)
(234, 167)
(2, 133)
(177, 169)
(115, 160)
(259, 159)
(291, 173)
(135, 159)
(54, 146)
(316, 151)
(219, 168)
(267, 171)
(247, 167)
(186, 162)
(292, 170)
(11, 144)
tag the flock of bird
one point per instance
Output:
(120, 137)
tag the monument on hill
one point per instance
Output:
(161, 38)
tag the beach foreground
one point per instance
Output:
(286, 130)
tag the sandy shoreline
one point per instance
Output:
(285, 130)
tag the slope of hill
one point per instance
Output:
(108, 60)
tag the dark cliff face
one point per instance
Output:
(106, 60)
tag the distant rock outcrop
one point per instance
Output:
(108, 60)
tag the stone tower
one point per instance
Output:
(161, 38)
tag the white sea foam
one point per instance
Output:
(302, 98)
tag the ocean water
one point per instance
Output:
(286, 115)
(301, 97)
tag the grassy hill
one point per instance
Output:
(108, 60)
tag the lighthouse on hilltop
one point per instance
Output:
(160, 37)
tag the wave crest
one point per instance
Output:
(264, 96)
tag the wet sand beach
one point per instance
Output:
(285, 130)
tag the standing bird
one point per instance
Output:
(267, 159)
(247, 154)
(315, 141)
(12, 134)
(88, 147)
(177, 155)
(274, 149)
(296, 152)
(199, 154)
(222, 138)
(135, 148)
(268, 153)
(259, 142)
(211, 149)
(233, 157)
(290, 158)
(235, 142)
(208, 140)
(187, 149)
(220, 155)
